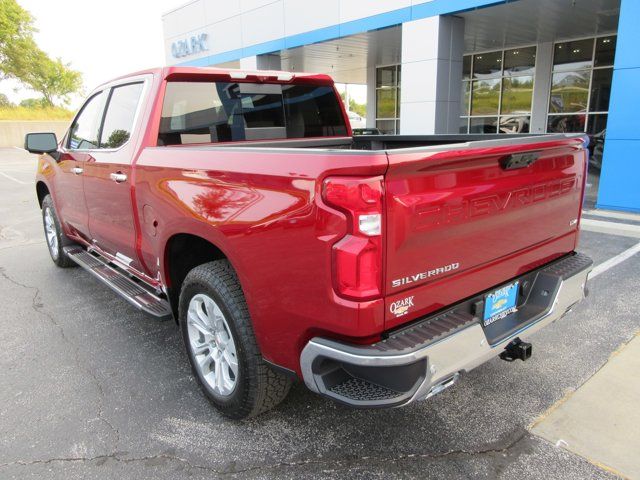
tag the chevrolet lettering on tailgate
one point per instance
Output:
(432, 215)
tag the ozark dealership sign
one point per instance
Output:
(189, 46)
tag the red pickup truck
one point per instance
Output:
(377, 269)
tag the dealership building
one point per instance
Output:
(450, 66)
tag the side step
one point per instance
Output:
(120, 283)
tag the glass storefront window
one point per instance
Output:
(600, 90)
(497, 88)
(573, 55)
(514, 124)
(595, 68)
(520, 61)
(465, 97)
(386, 103)
(386, 77)
(569, 92)
(605, 51)
(566, 123)
(596, 123)
(388, 99)
(387, 127)
(497, 97)
(485, 99)
(579, 99)
(487, 65)
(517, 93)
(483, 125)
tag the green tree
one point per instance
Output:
(5, 102)
(16, 28)
(55, 80)
(359, 108)
(117, 138)
(32, 103)
(23, 60)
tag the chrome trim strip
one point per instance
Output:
(145, 79)
(298, 144)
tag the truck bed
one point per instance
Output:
(449, 201)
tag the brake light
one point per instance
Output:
(357, 257)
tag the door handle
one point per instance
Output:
(77, 170)
(118, 177)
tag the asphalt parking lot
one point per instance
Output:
(92, 388)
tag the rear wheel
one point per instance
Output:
(212, 345)
(222, 348)
(55, 237)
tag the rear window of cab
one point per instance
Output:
(210, 112)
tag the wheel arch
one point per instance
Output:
(42, 190)
(182, 253)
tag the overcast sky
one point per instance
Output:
(102, 39)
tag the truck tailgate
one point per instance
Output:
(464, 218)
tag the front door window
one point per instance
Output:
(85, 129)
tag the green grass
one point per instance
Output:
(27, 113)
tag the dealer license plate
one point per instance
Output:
(500, 303)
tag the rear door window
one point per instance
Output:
(121, 111)
(204, 112)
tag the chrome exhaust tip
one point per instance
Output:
(443, 385)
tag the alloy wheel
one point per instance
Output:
(51, 233)
(212, 345)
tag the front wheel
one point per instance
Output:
(222, 348)
(55, 237)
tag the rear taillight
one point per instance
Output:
(357, 257)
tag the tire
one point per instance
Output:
(53, 234)
(211, 295)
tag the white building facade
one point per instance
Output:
(444, 66)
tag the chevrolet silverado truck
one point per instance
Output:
(376, 269)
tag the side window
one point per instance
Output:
(86, 127)
(118, 122)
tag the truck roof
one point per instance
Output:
(187, 73)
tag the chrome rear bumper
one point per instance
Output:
(429, 356)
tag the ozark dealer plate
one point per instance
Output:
(500, 303)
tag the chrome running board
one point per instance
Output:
(133, 292)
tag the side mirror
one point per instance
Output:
(41, 142)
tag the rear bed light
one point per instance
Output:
(357, 257)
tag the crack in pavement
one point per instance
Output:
(507, 443)
(38, 307)
(495, 448)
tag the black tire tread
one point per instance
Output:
(267, 388)
(63, 261)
